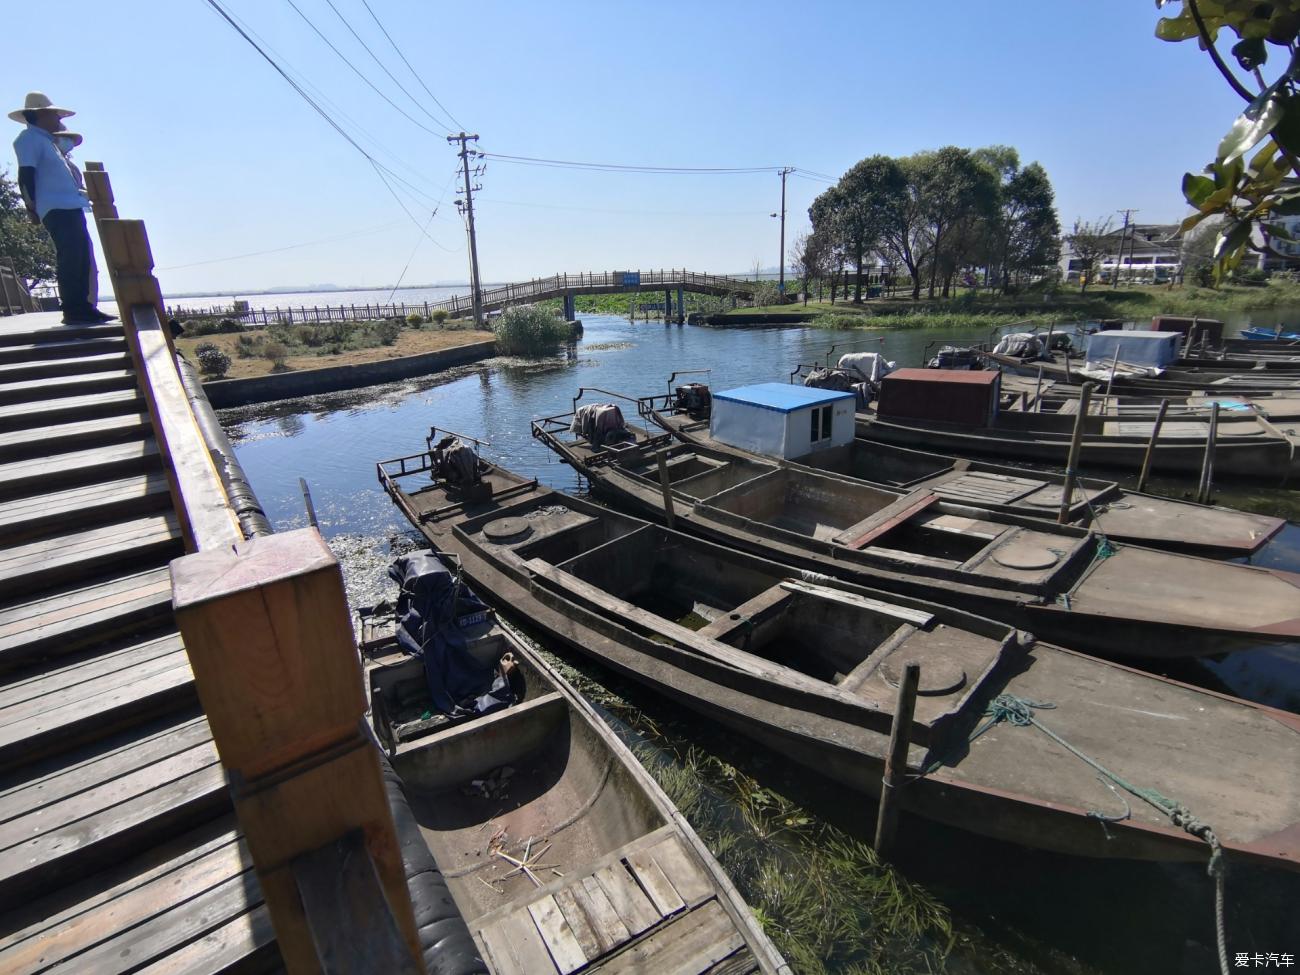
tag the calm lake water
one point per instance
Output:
(1014, 909)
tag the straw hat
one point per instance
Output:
(76, 137)
(37, 100)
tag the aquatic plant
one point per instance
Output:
(529, 330)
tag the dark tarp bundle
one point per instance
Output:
(428, 610)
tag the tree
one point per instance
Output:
(902, 241)
(956, 193)
(23, 244)
(1088, 241)
(809, 259)
(859, 208)
(1247, 195)
(1197, 254)
(1029, 231)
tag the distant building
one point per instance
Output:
(1152, 254)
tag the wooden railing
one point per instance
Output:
(15, 299)
(266, 626)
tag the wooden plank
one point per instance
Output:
(99, 431)
(77, 467)
(516, 947)
(241, 941)
(38, 367)
(916, 617)
(689, 945)
(108, 665)
(742, 962)
(565, 950)
(578, 923)
(68, 408)
(892, 515)
(662, 895)
(608, 926)
(686, 876)
(38, 389)
(634, 908)
(60, 510)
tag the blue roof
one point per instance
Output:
(781, 397)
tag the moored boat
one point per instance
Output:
(559, 850)
(1069, 585)
(1119, 514)
(810, 667)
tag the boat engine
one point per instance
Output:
(693, 399)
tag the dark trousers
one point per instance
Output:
(72, 248)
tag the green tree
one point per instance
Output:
(1248, 195)
(956, 193)
(23, 244)
(1088, 241)
(859, 208)
(903, 241)
(1029, 230)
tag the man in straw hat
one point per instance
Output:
(53, 197)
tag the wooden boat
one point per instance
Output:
(559, 850)
(1103, 506)
(810, 670)
(1169, 383)
(1250, 446)
(1068, 585)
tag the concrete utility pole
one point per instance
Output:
(785, 171)
(476, 291)
(1123, 236)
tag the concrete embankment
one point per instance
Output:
(225, 393)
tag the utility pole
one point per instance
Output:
(785, 171)
(1123, 236)
(476, 291)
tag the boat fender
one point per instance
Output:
(1026, 639)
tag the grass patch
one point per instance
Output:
(529, 330)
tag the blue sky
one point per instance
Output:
(222, 158)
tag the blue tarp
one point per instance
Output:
(432, 616)
(781, 397)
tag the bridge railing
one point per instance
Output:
(15, 299)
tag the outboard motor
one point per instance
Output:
(455, 463)
(693, 399)
(955, 357)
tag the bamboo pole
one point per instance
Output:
(900, 737)
(1038, 386)
(1151, 445)
(1114, 363)
(666, 487)
(1207, 464)
(1076, 447)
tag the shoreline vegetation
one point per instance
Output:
(1042, 307)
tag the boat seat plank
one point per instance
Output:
(25, 518)
(562, 944)
(73, 617)
(958, 525)
(651, 877)
(766, 604)
(608, 927)
(690, 945)
(872, 527)
(574, 915)
(906, 614)
(692, 886)
(516, 947)
(633, 906)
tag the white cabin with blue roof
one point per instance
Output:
(782, 420)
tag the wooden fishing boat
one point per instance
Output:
(1249, 446)
(1103, 506)
(810, 668)
(559, 850)
(1170, 382)
(1066, 584)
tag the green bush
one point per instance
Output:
(529, 330)
(277, 353)
(246, 346)
(201, 326)
(387, 332)
(229, 326)
(415, 319)
(440, 316)
(212, 361)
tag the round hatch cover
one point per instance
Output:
(1025, 555)
(507, 530)
(938, 677)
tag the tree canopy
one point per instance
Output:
(1248, 193)
(23, 244)
(936, 214)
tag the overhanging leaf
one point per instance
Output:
(1250, 53)
(1257, 121)
(1196, 189)
(1288, 206)
(1232, 239)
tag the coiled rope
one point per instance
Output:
(1019, 711)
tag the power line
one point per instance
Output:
(384, 68)
(278, 250)
(357, 71)
(619, 210)
(414, 73)
(620, 168)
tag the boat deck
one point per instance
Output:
(118, 846)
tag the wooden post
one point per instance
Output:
(1207, 464)
(1072, 462)
(306, 500)
(1038, 388)
(129, 261)
(1151, 445)
(666, 486)
(266, 628)
(1067, 366)
(1114, 363)
(900, 737)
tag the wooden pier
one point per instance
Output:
(139, 832)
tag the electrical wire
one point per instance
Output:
(278, 250)
(620, 168)
(582, 209)
(384, 68)
(357, 71)
(414, 73)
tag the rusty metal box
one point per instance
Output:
(959, 396)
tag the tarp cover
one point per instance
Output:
(870, 367)
(1147, 350)
(1025, 345)
(429, 608)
